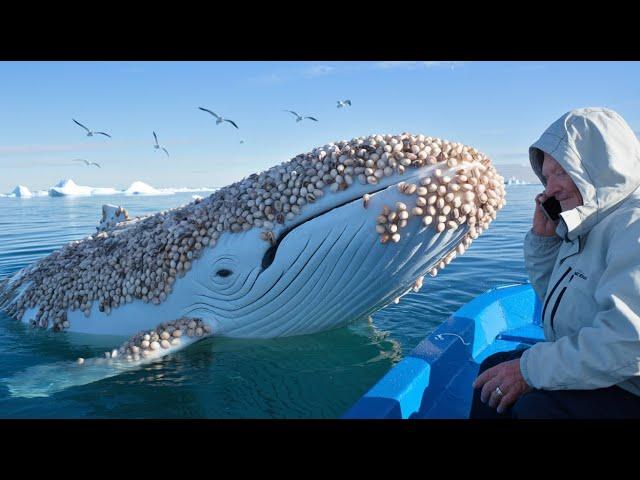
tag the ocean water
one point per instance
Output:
(309, 376)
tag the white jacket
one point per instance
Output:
(589, 274)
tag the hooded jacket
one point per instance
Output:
(588, 275)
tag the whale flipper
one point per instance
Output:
(45, 380)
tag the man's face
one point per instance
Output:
(560, 184)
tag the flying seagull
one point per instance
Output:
(342, 103)
(299, 118)
(241, 141)
(157, 146)
(89, 132)
(87, 163)
(219, 119)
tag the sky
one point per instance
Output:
(499, 108)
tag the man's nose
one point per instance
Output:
(551, 189)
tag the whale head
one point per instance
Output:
(314, 243)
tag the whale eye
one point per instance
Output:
(224, 272)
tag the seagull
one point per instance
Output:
(87, 163)
(219, 119)
(342, 103)
(156, 146)
(299, 118)
(241, 141)
(89, 132)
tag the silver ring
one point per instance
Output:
(499, 392)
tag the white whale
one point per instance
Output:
(327, 268)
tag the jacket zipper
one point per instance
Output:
(546, 303)
(555, 307)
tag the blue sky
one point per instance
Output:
(497, 107)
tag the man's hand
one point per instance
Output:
(541, 224)
(508, 377)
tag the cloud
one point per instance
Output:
(276, 78)
(318, 70)
(30, 149)
(531, 67)
(90, 146)
(268, 79)
(394, 64)
(44, 161)
(413, 65)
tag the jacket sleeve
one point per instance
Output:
(608, 351)
(540, 255)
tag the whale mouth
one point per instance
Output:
(455, 201)
(271, 252)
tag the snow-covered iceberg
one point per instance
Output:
(20, 191)
(68, 187)
(515, 181)
(141, 188)
(105, 191)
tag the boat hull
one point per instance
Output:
(434, 380)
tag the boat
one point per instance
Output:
(434, 380)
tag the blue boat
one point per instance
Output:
(434, 381)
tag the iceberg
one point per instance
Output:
(141, 188)
(20, 191)
(68, 187)
(515, 181)
(105, 191)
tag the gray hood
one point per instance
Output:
(600, 152)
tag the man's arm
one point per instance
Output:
(541, 245)
(540, 253)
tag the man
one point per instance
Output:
(586, 270)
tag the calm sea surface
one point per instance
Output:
(310, 376)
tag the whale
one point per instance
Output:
(312, 244)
